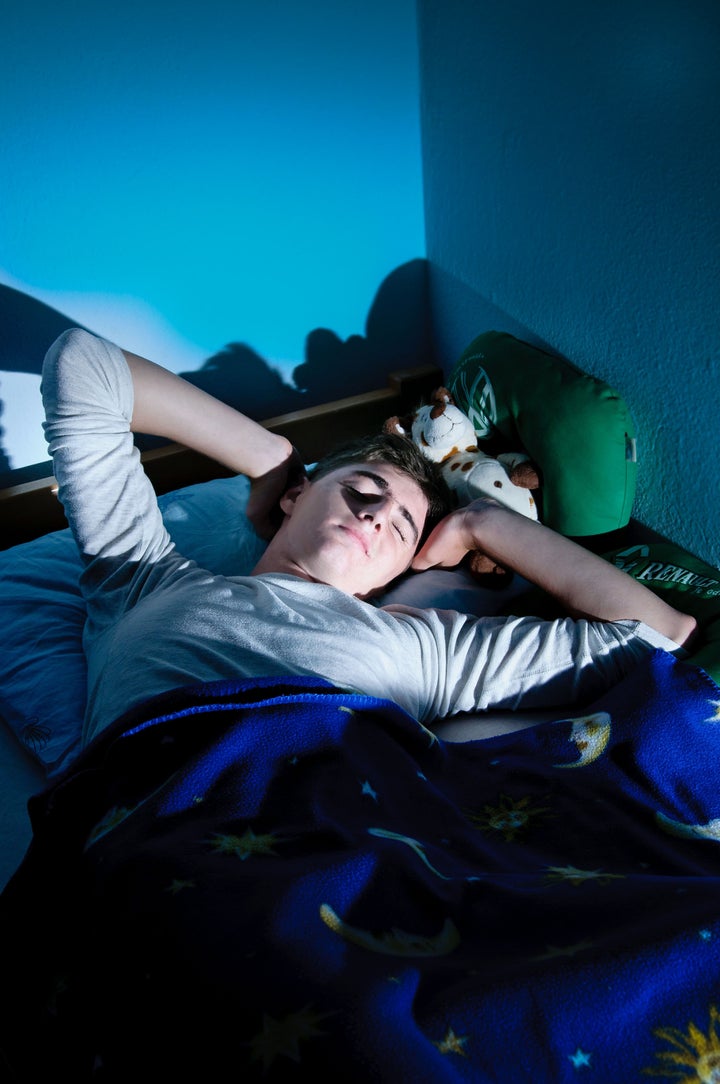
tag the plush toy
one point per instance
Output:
(445, 435)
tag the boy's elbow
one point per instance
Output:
(686, 630)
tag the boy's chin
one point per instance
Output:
(376, 592)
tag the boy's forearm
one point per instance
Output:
(585, 584)
(165, 405)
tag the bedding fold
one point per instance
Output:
(267, 878)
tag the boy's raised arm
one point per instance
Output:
(165, 405)
(583, 583)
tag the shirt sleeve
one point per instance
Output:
(472, 664)
(108, 500)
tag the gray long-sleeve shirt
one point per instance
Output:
(156, 620)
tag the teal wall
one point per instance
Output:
(228, 187)
(571, 164)
(237, 190)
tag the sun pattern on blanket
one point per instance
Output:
(256, 880)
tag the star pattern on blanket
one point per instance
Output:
(407, 894)
(553, 952)
(580, 1059)
(281, 1038)
(715, 717)
(452, 1043)
(246, 845)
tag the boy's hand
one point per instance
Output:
(454, 536)
(263, 508)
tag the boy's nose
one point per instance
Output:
(377, 513)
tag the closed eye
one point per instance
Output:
(364, 498)
(371, 498)
(384, 487)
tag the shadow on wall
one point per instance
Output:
(27, 328)
(397, 336)
(466, 314)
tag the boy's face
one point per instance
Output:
(356, 528)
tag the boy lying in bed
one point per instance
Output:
(157, 621)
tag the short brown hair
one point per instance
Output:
(398, 452)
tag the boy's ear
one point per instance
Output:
(288, 499)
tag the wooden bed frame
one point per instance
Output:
(30, 509)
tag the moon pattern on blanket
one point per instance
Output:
(591, 734)
(393, 942)
(711, 830)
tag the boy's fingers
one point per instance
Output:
(443, 549)
(263, 507)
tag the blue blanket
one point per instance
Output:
(268, 880)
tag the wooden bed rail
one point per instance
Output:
(30, 509)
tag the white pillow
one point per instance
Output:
(454, 589)
(43, 675)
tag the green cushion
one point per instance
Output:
(685, 582)
(576, 429)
